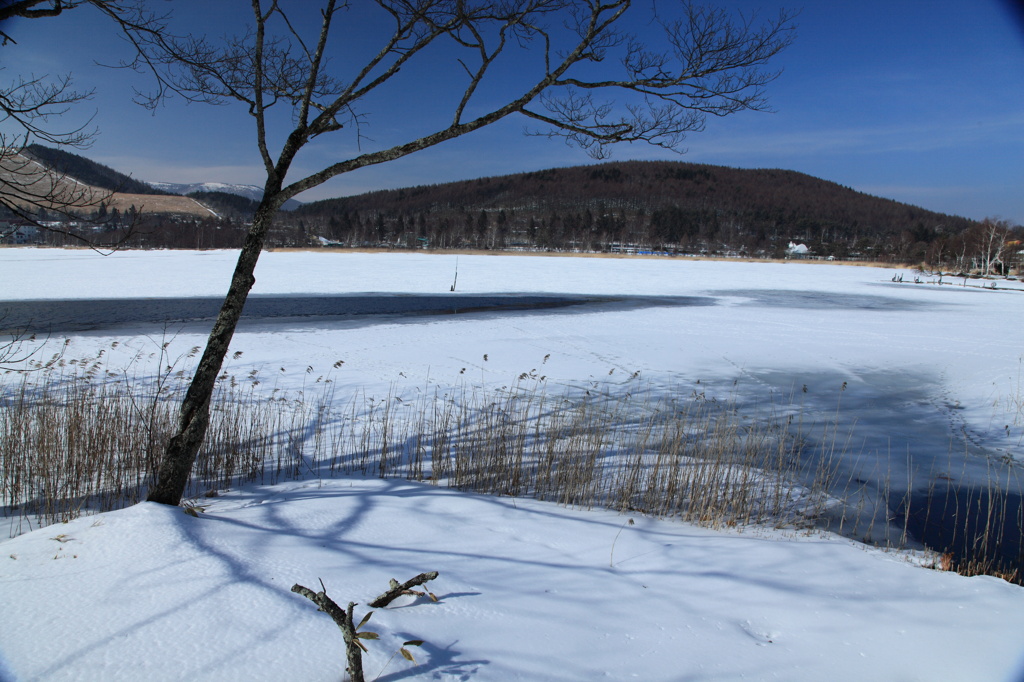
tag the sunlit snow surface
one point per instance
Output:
(526, 590)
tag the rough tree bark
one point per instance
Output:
(194, 414)
(345, 618)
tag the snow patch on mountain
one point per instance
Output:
(248, 191)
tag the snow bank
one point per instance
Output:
(527, 590)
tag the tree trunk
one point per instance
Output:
(194, 416)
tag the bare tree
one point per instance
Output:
(31, 109)
(991, 237)
(710, 63)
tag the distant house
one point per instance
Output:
(1015, 259)
(797, 250)
(11, 233)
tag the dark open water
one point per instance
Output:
(89, 315)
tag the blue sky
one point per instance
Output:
(922, 102)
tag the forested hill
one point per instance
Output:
(691, 207)
(88, 172)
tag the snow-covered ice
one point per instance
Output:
(526, 590)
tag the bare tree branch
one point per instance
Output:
(21, 351)
(597, 86)
(31, 110)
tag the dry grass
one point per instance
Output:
(80, 438)
(31, 185)
(159, 203)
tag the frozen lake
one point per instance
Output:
(920, 383)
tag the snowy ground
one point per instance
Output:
(526, 588)
(526, 592)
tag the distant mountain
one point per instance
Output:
(248, 191)
(662, 205)
(87, 172)
(68, 187)
(617, 207)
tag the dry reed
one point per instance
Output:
(79, 438)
